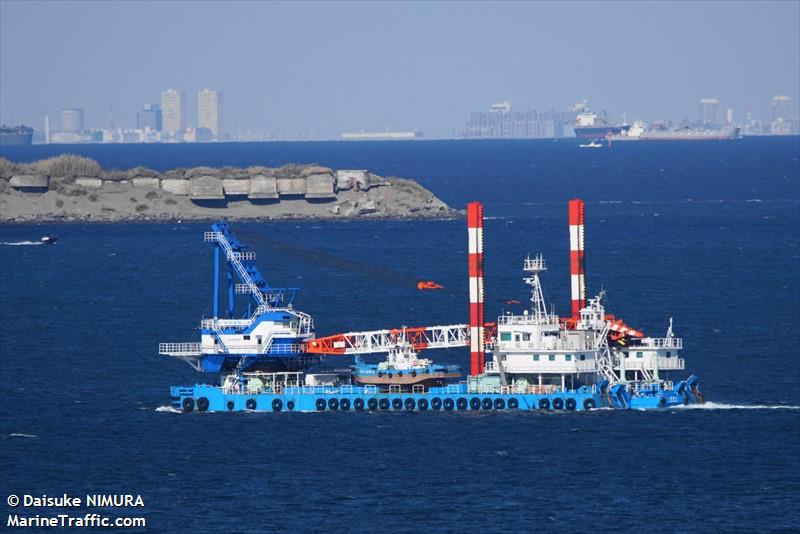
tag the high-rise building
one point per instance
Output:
(173, 111)
(708, 111)
(149, 117)
(209, 112)
(781, 105)
(781, 119)
(72, 120)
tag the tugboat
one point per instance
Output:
(404, 368)
(538, 360)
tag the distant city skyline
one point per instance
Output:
(291, 67)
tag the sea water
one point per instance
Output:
(706, 233)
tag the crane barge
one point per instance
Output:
(264, 354)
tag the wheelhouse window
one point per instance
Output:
(583, 357)
(505, 336)
(568, 357)
(552, 357)
(640, 354)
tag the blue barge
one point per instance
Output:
(266, 352)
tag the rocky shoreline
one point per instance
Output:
(76, 189)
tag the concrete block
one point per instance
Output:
(207, 188)
(320, 186)
(291, 186)
(176, 186)
(235, 187)
(89, 183)
(145, 181)
(30, 182)
(262, 186)
(349, 179)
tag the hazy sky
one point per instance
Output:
(332, 67)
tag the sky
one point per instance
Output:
(321, 68)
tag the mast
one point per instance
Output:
(577, 267)
(476, 315)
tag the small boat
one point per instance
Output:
(403, 368)
(48, 239)
(593, 144)
(424, 285)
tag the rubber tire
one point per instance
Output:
(499, 404)
(558, 404)
(358, 404)
(202, 404)
(399, 374)
(513, 403)
(380, 374)
(251, 404)
(277, 405)
(448, 404)
(187, 405)
(344, 405)
(462, 403)
(409, 405)
(397, 404)
(230, 405)
(390, 375)
(333, 404)
(589, 404)
(290, 405)
(321, 404)
(436, 403)
(475, 403)
(372, 404)
(571, 404)
(486, 403)
(544, 404)
(662, 402)
(422, 405)
(413, 373)
(384, 404)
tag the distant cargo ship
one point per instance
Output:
(382, 136)
(640, 132)
(589, 126)
(16, 135)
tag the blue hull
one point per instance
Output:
(203, 397)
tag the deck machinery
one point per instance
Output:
(263, 352)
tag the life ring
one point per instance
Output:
(230, 405)
(462, 403)
(513, 403)
(422, 404)
(486, 404)
(202, 404)
(544, 404)
(410, 405)
(290, 405)
(358, 404)
(448, 404)
(589, 404)
(344, 404)
(187, 404)
(558, 404)
(571, 404)
(333, 404)
(277, 404)
(475, 403)
(384, 404)
(413, 373)
(251, 404)
(397, 404)
(372, 404)
(499, 404)
(320, 405)
(436, 403)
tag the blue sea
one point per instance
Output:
(705, 233)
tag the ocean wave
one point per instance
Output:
(19, 243)
(21, 435)
(723, 406)
(170, 409)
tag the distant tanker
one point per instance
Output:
(16, 135)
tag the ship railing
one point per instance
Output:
(661, 342)
(371, 389)
(664, 364)
(179, 349)
(211, 324)
(452, 388)
(528, 319)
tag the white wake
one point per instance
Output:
(170, 409)
(18, 243)
(723, 406)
